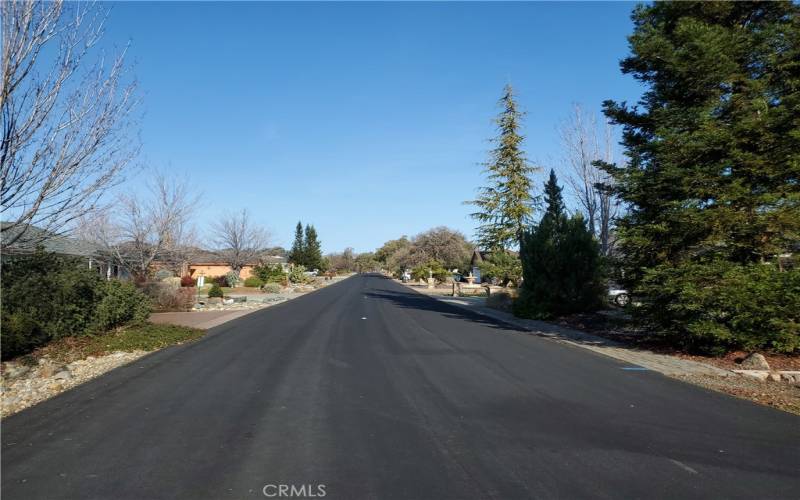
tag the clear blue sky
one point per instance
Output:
(368, 120)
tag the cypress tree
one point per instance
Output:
(297, 253)
(312, 249)
(505, 205)
(554, 200)
(713, 180)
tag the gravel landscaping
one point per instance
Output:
(784, 396)
(24, 386)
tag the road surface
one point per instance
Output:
(366, 389)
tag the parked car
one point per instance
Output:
(618, 295)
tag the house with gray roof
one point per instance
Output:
(36, 238)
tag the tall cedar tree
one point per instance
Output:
(297, 253)
(505, 205)
(561, 264)
(713, 178)
(715, 148)
(313, 250)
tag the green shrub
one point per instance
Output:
(719, 305)
(297, 274)
(21, 334)
(271, 288)
(562, 270)
(47, 297)
(120, 304)
(435, 267)
(503, 266)
(215, 291)
(253, 282)
(232, 279)
(56, 293)
(270, 273)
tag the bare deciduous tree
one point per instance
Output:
(144, 229)
(608, 205)
(342, 262)
(66, 120)
(238, 240)
(584, 143)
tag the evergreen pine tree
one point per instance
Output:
(561, 264)
(297, 253)
(505, 205)
(713, 179)
(312, 249)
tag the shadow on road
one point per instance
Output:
(414, 300)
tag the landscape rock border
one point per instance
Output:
(791, 376)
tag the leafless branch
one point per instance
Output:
(584, 142)
(66, 121)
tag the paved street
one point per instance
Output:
(375, 391)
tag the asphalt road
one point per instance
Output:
(366, 389)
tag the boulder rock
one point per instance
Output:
(48, 370)
(16, 370)
(755, 361)
(756, 374)
(790, 375)
(63, 375)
